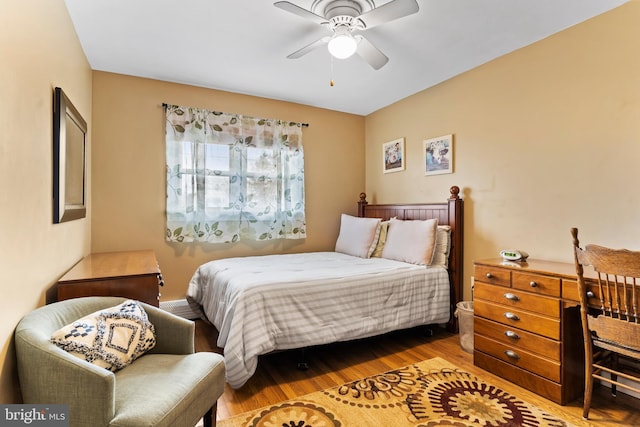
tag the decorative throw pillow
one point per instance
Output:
(358, 236)
(382, 238)
(111, 338)
(410, 241)
(443, 246)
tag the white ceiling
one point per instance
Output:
(241, 45)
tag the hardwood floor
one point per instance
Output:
(277, 377)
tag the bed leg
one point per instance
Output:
(302, 364)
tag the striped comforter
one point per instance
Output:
(264, 303)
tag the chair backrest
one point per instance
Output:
(617, 288)
(46, 372)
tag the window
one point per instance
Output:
(232, 177)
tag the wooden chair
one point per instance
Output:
(612, 328)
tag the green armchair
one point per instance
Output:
(170, 385)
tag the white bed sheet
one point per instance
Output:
(264, 303)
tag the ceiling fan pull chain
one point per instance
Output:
(331, 82)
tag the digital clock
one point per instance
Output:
(514, 255)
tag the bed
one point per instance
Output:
(261, 304)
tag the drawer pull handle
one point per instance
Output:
(511, 316)
(512, 297)
(590, 294)
(533, 284)
(512, 354)
(489, 276)
(512, 334)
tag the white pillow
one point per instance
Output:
(111, 338)
(411, 241)
(443, 246)
(358, 236)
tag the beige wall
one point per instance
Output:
(546, 138)
(129, 171)
(39, 51)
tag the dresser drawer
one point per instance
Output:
(518, 299)
(531, 362)
(546, 326)
(570, 292)
(540, 385)
(141, 288)
(518, 338)
(543, 285)
(496, 276)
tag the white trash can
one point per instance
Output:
(464, 313)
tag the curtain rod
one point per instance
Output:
(304, 125)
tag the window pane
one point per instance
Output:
(186, 178)
(260, 161)
(188, 187)
(216, 193)
(217, 157)
(261, 193)
(261, 180)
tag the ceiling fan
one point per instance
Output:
(347, 19)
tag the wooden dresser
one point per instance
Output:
(525, 330)
(130, 274)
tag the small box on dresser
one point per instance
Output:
(524, 331)
(128, 274)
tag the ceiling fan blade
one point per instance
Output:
(308, 48)
(297, 10)
(388, 12)
(371, 54)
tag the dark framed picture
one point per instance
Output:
(69, 160)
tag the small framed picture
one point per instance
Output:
(393, 156)
(438, 155)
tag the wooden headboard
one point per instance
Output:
(449, 213)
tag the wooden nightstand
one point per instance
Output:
(524, 330)
(131, 274)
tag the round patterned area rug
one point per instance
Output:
(427, 394)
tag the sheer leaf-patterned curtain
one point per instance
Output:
(232, 177)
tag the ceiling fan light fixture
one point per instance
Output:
(342, 45)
